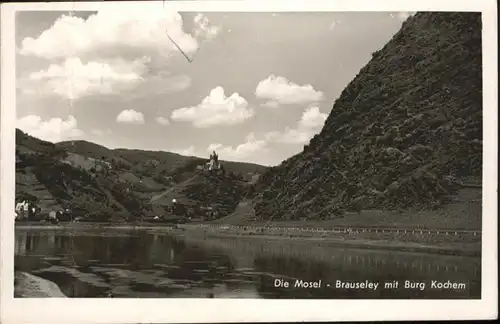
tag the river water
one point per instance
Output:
(141, 263)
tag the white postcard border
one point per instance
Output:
(68, 310)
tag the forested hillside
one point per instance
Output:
(403, 135)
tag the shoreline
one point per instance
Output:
(80, 226)
(251, 227)
(463, 249)
(27, 285)
(444, 245)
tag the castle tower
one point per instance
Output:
(213, 164)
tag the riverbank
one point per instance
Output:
(445, 243)
(28, 285)
(90, 226)
(470, 249)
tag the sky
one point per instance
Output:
(257, 89)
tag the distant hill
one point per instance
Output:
(405, 134)
(98, 183)
(163, 162)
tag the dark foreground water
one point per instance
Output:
(145, 264)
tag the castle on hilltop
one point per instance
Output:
(213, 164)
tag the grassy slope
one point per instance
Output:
(404, 135)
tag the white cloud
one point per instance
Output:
(52, 130)
(215, 109)
(402, 15)
(130, 117)
(250, 149)
(310, 123)
(203, 28)
(254, 149)
(312, 118)
(283, 91)
(162, 121)
(111, 52)
(74, 79)
(140, 28)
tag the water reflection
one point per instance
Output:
(143, 264)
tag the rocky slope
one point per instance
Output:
(101, 184)
(403, 135)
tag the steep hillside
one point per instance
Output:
(98, 183)
(202, 189)
(403, 135)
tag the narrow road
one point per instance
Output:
(343, 229)
(163, 194)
